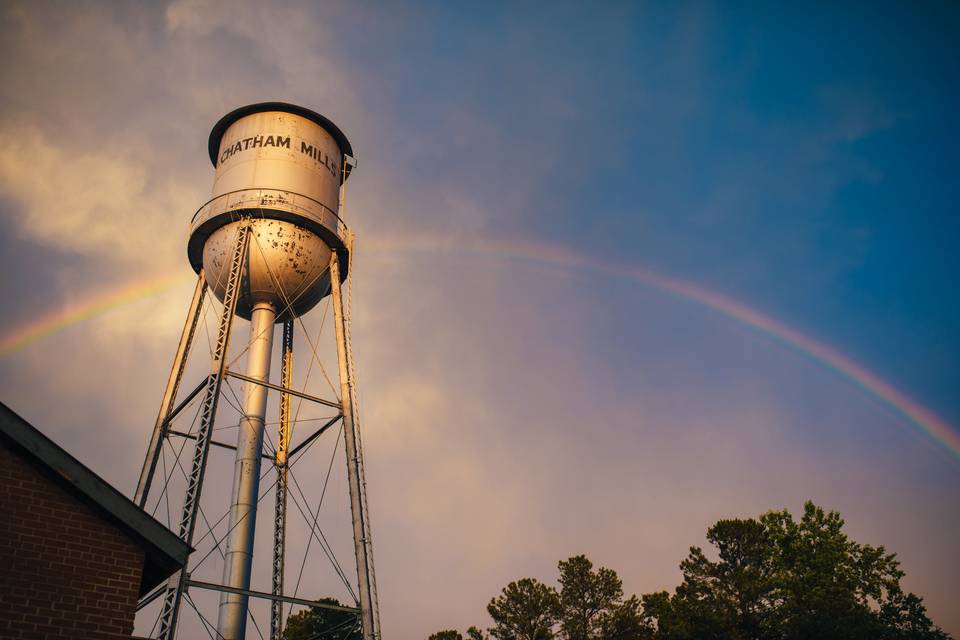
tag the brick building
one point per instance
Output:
(75, 553)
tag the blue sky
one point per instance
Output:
(794, 158)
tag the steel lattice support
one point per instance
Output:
(191, 504)
(355, 408)
(363, 545)
(280, 506)
(170, 393)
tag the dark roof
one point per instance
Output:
(165, 552)
(216, 134)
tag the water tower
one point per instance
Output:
(270, 244)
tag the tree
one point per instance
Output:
(625, 622)
(723, 599)
(773, 579)
(585, 596)
(318, 623)
(452, 634)
(591, 604)
(525, 610)
(777, 579)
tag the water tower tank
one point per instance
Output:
(283, 166)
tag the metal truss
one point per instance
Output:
(170, 393)
(363, 544)
(175, 592)
(191, 504)
(280, 503)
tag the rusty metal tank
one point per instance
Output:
(282, 166)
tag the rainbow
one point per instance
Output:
(551, 255)
(94, 305)
(559, 256)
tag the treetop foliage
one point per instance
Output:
(775, 578)
(322, 624)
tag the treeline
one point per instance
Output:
(774, 579)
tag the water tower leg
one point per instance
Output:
(280, 503)
(246, 477)
(176, 586)
(363, 545)
(170, 393)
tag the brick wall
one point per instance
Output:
(65, 572)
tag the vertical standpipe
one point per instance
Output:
(232, 619)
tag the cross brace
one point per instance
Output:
(269, 596)
(276, 387)
(222, 445)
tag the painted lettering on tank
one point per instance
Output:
(320, 156)
(278, 141)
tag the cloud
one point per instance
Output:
(102, 203)
(291, 40)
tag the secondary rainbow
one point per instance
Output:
(553, 255)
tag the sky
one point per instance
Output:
(532, 184)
